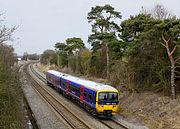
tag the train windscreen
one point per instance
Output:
(108, 97)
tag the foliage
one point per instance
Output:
(48, 57)
(102, 19)
(66, 50)
(98, 64)
(10, 102)
(143, 34)
(33, 56)
(85, 56)
(27, 56)
(74, 45)
(122, 74)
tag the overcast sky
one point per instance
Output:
(42, 23)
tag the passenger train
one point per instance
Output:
(97, 98)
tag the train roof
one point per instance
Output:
(56, 73)
(87, 83)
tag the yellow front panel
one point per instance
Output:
(100, 108)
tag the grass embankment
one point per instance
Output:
(10, 101)
(155, 110)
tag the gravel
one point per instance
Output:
(44, 115)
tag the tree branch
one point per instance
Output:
(177, 67)
(167, 44)
(165, 39)
(173, 50)
(176, 60)
(177, 76)
(177, 72)
(163, 45)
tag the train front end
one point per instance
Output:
(107, 102)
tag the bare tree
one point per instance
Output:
(5, 32)
(160, 12)
(6, 51)
(171, 51)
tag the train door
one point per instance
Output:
(81, 94)
(67, 87)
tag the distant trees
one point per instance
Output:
(48, 57)
(69, 51)
(27, 56)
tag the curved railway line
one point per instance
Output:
(73, 120)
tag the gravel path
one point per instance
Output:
(45, 117)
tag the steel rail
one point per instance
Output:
(113, 124)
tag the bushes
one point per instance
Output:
(10, 91)
(10, 103)
(79, 63)
(122, 74)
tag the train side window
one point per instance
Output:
(63, 84)
(85, 93)
(70, 87)
(90, 96)
(78, 90)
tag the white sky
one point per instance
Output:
(45, 22)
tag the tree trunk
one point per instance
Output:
(107, 59)
(173, 90)
(170, 55)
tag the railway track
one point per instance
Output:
(110, 123)
(72, 120)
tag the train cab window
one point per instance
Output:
(103, 96)
(113, 97)
(108, 97)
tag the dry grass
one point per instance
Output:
(154, 110)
